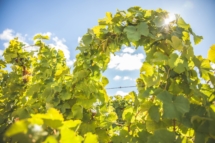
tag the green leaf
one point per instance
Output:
(16, 128)
(48, 93)
(158, 21)
(162, 136)
(170, 112)
(50, 139)
(91, 138)
(104, 81)
(87, 127)
(86, 103)
(2, 63)
(165, 97)
(54, 114)
(200, 137)
(103, 136)
(147, 69)
(173, 60)
(87, 39)
(109, 18)
(65, 95)
(151, 80)
(188, 52)
(143, 29)
(22, 113)
(77, 111)
(182, 104)
(180, 67)
(132, 33)
(154, 113)
(181, 23)
(39, 36)
(211, 53)
(72, 123)
(177, 43)
(143, 136)
(176, 63)
(160, 57)
(128, 114)
(174, 88)
(68, 135)
(197, 39)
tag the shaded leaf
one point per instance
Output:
(182, 104)
(154, 113)
(162, 136)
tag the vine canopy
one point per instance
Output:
(42, 101)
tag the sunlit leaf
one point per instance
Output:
(39, 36)
(18, 127)
(68, 135)
(181, 23)
(91, 138)
(104, 81)
(211, 53)
(50, 139)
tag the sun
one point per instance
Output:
(170, 18)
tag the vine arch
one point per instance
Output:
(172, 104)
(163, 44)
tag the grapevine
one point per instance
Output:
(41, 100)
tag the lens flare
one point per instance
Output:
(170, 18)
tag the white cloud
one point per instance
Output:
(213, 66)
(70, 62)
(47, 33)
(79, 39)
(126, 61)
(121, 93)
(117, 77)
(8, 34)
(128, 50)
(6, 44)
(127, 78)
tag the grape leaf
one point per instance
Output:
(182, 104)
(68, 135)
(154, 113)
(181, 23)
(162, 136)
(77, 111)
(91, 138)
(211, 53)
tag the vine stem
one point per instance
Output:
(174, 129)
(137, 114)
(167, 78)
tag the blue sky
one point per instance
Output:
(66, 21)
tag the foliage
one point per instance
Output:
(41, 101)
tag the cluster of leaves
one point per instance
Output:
(174, 103)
